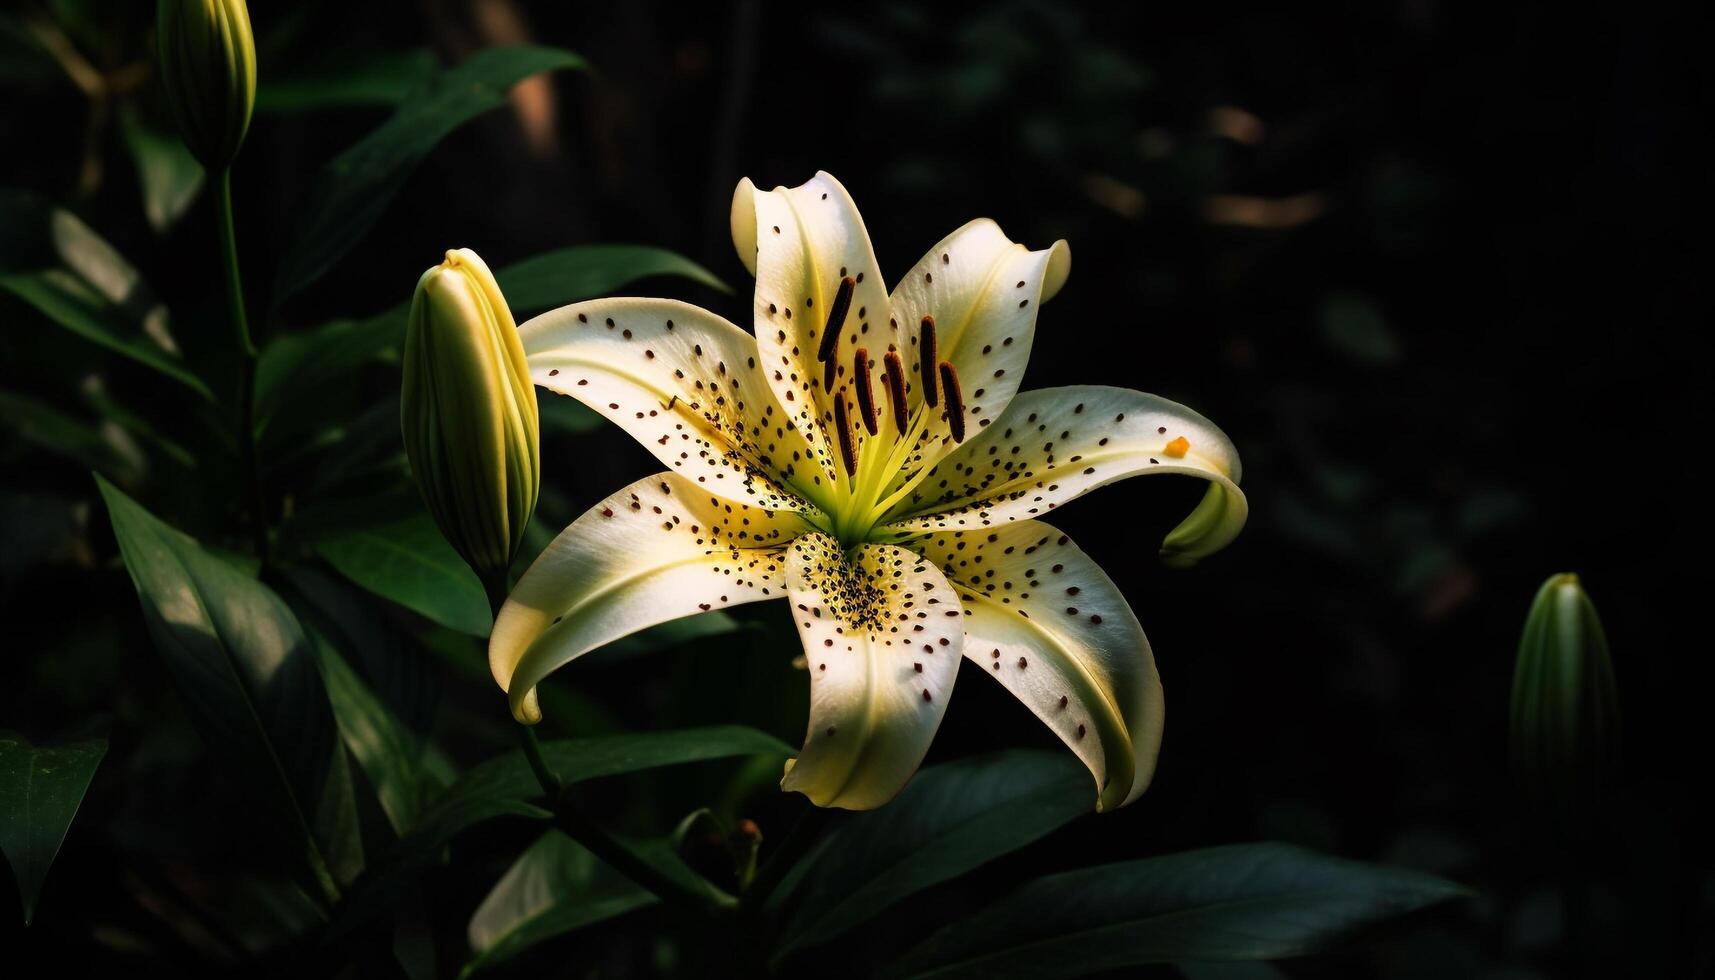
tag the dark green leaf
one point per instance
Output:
(1241, 902)
(248, 679)
(355, 187)
(505, 786)
(41, 788)
(169, 176)
(369, 78)
(388, 752)
(71, 303)
(408, 561)
(57, 432)
(553, 888)
(586, 271)
(949, 820)
(389, 664)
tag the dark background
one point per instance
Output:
(1434, 267)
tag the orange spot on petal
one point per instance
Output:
(1178, 448)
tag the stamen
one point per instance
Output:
(955, 401)
(848, 453)
(829, 371)
(895, 375)
(836, 319)
(926, 360)
(865, 397)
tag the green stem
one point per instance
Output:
(572, 821)
(247, 364)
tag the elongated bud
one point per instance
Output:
(468, 412)
(1565, 706)
(208, 69)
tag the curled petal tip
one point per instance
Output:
(1211, 526)
(527, 709)
(743, 223)
(1059, 267)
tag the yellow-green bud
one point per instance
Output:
(468, 412)
(1565, 705)
(208, 68)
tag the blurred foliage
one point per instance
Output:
(1429, 265)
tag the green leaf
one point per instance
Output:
(170, 178)
(346, 79)
(69, 302)
(355, 187)
(1240, 902)
(248, 678)
(72, 438)
(41, 788)
(505, 786)
(408, 561)
(386, 660)
(57, 265)
(553, 888)
(389, 754)
(584, 271)
(949, 820)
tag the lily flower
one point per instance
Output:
(868, 458)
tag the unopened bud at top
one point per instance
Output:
(1565, 704)
(208, 69)
(468, 413)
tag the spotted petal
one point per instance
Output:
(1056, 444)
(687, 385)
(660, 549)
(1045, 621)
(983, 291)
(802, 242)
(882, 631)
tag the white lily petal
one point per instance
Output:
(983, 290)
(801, 242)
(687, 385)
(882, 631)
(1056, 444)
(1045, 621)
(660, 549)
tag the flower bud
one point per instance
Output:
(468, 411)
(208, 69)
(1565, 706)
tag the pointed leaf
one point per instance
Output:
(505, 786)
(389, 753)
(168, 175)
(554, 887)
(248, 679)
(409, 562)
(355, 187)
(341, 80)
(41, 788)
(584, 271)
(949, 820)
(1241, 902)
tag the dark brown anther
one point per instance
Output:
(865, 396)
(836, 319)
(894, 371)
(955, 401)
(926, 360)
(848, 453)
(830, 372)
